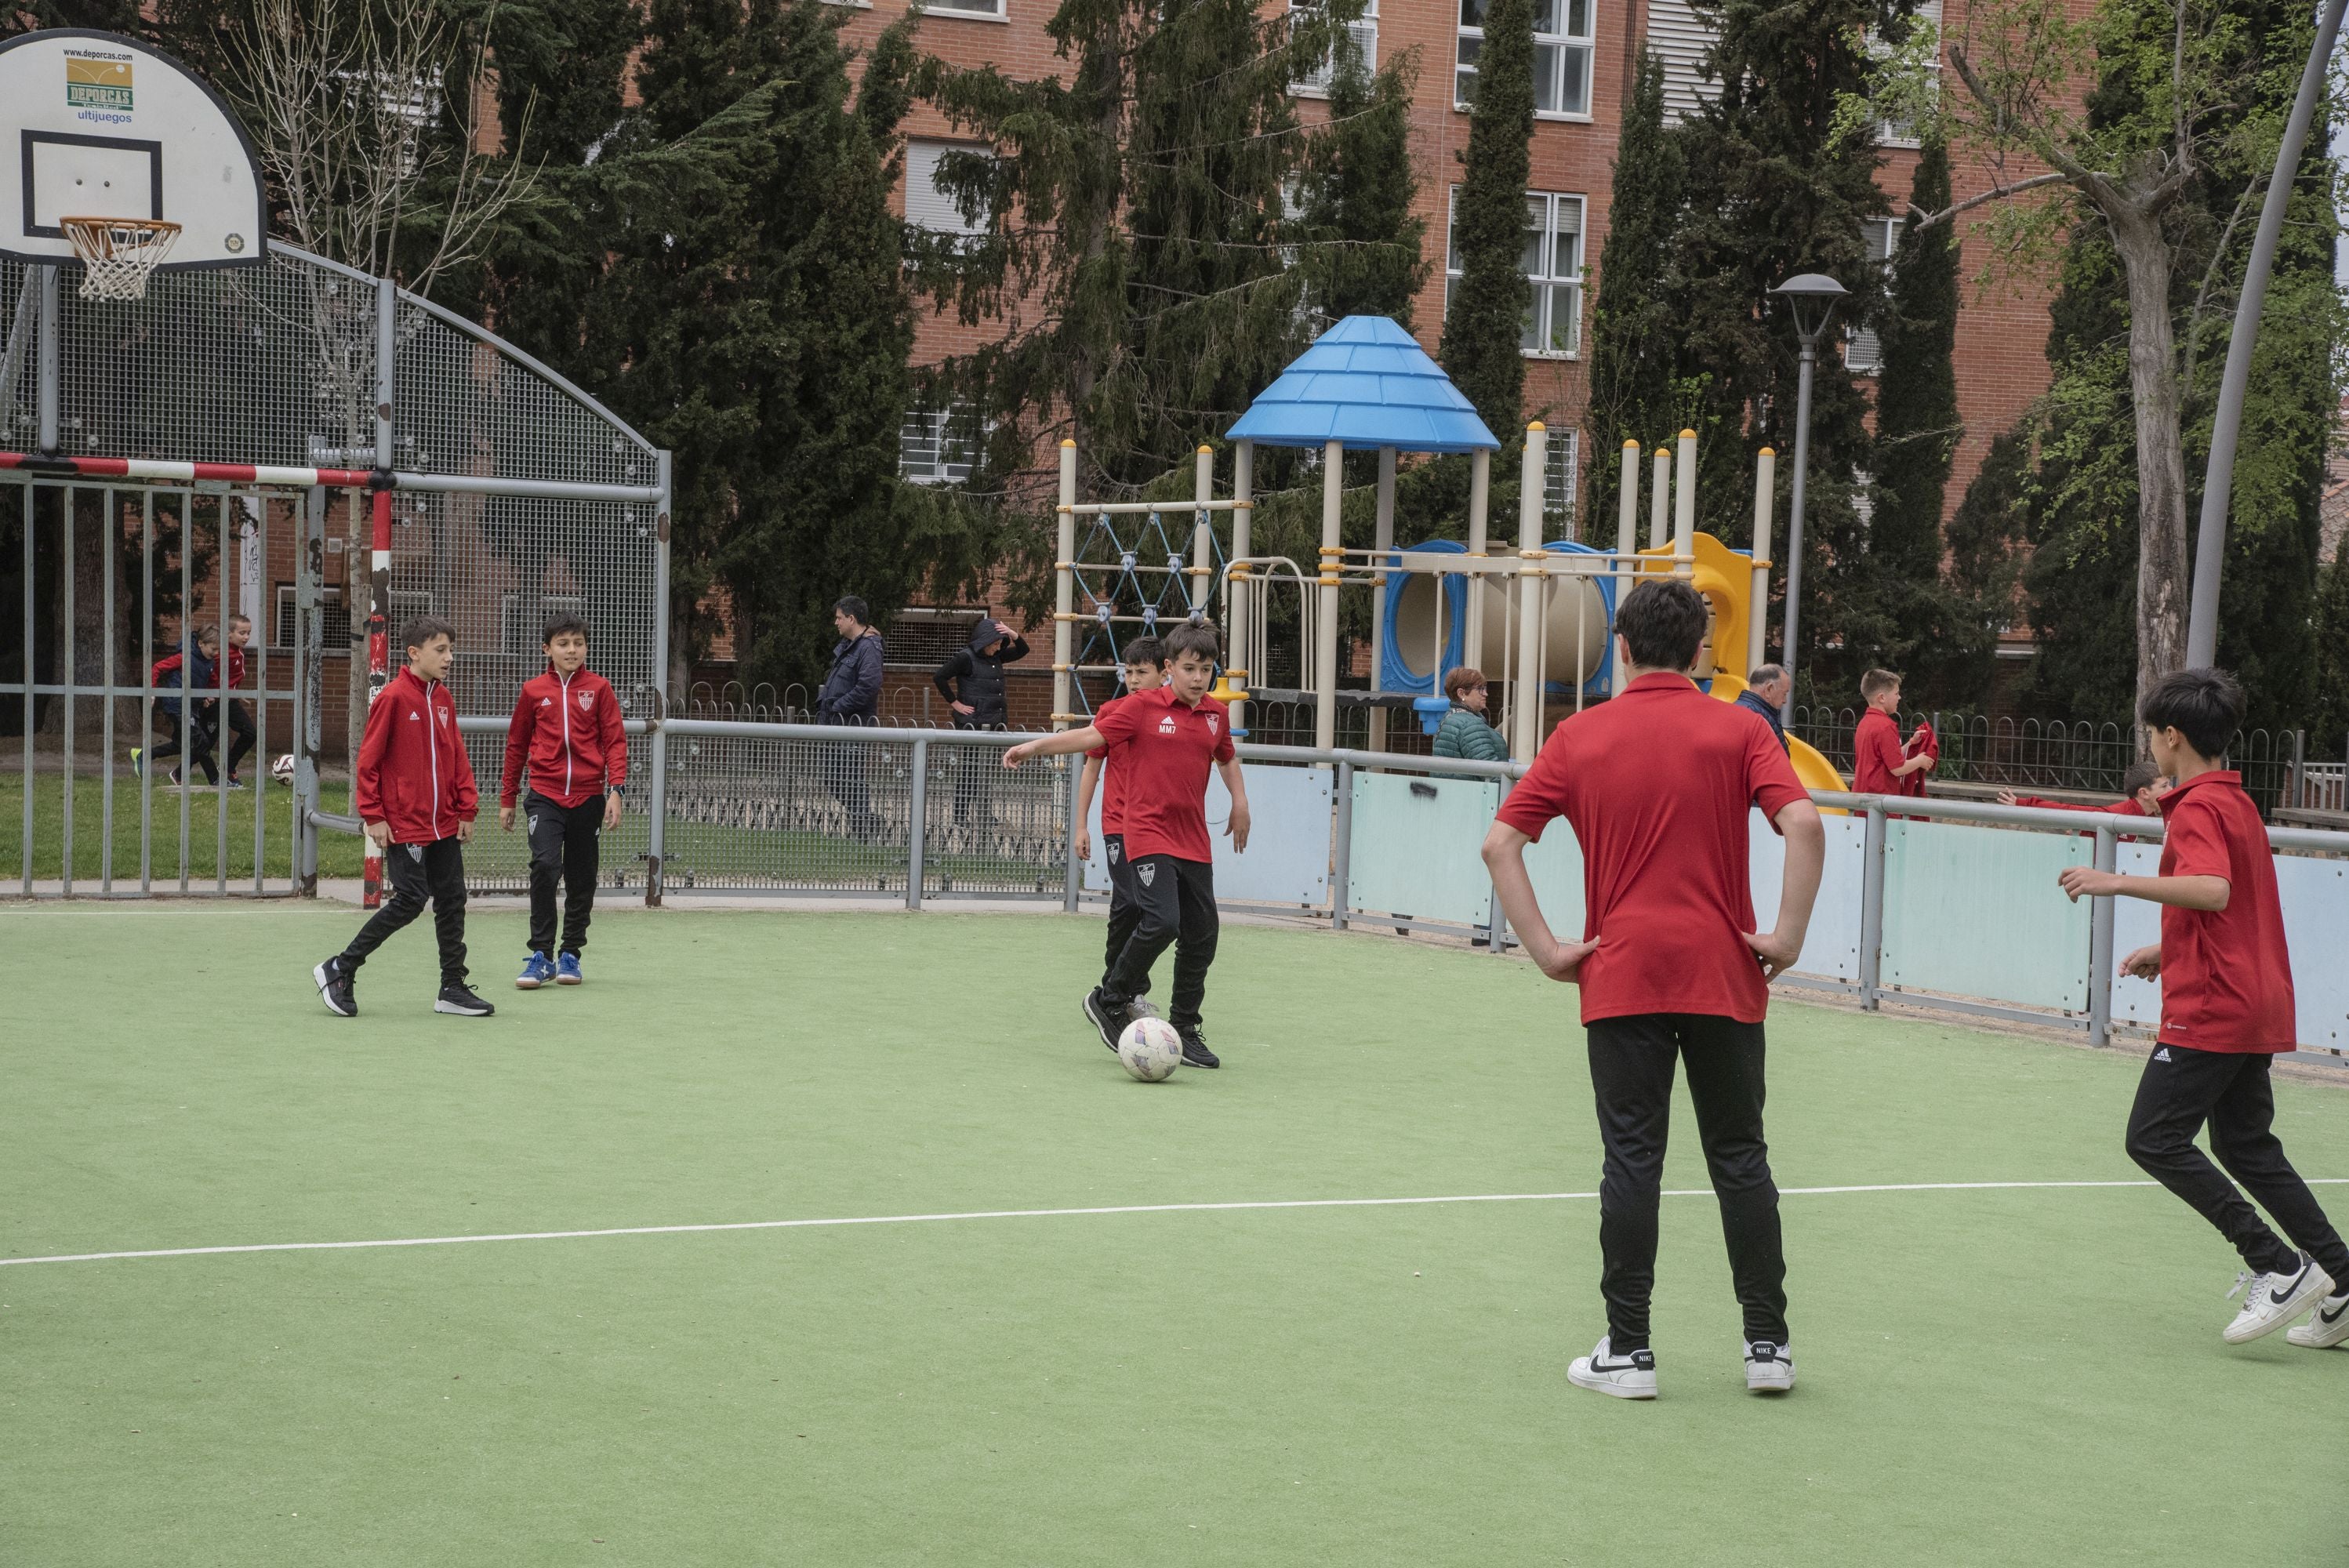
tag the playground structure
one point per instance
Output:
(1538, 621)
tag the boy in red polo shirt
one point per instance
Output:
(2227, 1009)
(1879, 762)
(2142, 787)
(1146, 670)
(1164, 742)
(566, 728)
(415, 793)
(1656, 785)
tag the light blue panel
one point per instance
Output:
(1556, 867)
(1975, 912)
(1287, 858)
(2315, 895)
(2135, 924)
(1416, 847)
(1831, 944)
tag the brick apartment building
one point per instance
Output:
(1585, 51)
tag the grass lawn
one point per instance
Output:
(2024, 1376)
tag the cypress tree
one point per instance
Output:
(2328, 716)
(1633, 326)
(1917, 425)
(1483, 324)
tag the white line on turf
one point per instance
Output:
(1051, 1215)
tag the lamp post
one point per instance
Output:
(1813, 296)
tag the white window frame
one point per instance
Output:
(1562, 477)
(1893, 133)
(930, 208)
(923, 431)
(1548, 287)
(330, 607)
(1364, 33)
(1559, 56)
(1863, 351)
(984, 11)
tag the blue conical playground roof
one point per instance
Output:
(1365, 382)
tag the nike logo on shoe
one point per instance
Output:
(2330, 1318)
(2283, 1294)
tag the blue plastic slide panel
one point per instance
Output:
(1831, 946)
(1416, 847)
(1975, 912)
(1287, 858)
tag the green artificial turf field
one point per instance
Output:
(2022, 1376)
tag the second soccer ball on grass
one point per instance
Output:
(1150, 1048)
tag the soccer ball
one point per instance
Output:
(282, 768)
(1150, 1048)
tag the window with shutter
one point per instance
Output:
(927, 206)
(1564, 36)
(1863, 352)
(1361, 38)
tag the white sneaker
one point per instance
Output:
(1631, 1377)
(2327, 1326)
(1769, 1368)
(2272, 1300)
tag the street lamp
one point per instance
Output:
(1813, 296)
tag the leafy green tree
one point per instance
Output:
(1483, 324)
(2328, 717)
(1635, 337)
(1363, 246)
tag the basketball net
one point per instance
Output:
(119, 254)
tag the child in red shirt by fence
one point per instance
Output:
(1164, 742)
(1146, 670)
(2227, 1008)
(415, 793)
(2142, 787)
(566, 728)
(1881, 764)
(1657, 785)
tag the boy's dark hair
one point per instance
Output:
(1193, 637)
(2205, 706)
(423, 629)
(1144, 651)
(1662, 620)
(564, 625)
(855, 609)
(2141, 775)
(207, 633)
(1876, 683)
(1465, 678)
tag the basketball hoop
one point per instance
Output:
(119, 254)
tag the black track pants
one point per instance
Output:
(1632, 1061)
(565, 841)
(2182, 1089)
(419, 874)
(1173, 905)
(1124, 915)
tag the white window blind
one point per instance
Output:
(1552, 262)
(1863, 352)
(937, 446)
(1681, 39)
(1361, 38)
(1900, 133)
(1562, 475)
(1564, 35)
(927, 206)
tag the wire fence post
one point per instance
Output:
(917, 813)
(1497, 933)
(310, 646)
(1871, 911)
(2100, 943)
(1074, 882)
(657, 800)
(1341, 854)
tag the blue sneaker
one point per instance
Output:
(536, 971)
(567, 970)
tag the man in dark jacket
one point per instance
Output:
(852, 695)
(1765, 690)
(971, 680)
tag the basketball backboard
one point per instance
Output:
(93, 125)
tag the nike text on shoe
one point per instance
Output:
(1631, 1377)
(536, 971)
(2272, 1300)
(1195, 1053)
(1769, 1368)
(567, 971)
(461, 1000)
(1108, 1018)
(2326, 1327)
(334, 988)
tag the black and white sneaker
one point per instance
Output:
(1769, 1368)
(1195, 1053)
(460, 999)
(1631, 1377)
(2272, 1300)
(334, 988)
(1107, 1016)
(2326, 1327)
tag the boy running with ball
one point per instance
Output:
(1146, 670)
(1164, 742)
(2227, 1008)
(567, 727)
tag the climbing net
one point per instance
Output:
(1133, 577)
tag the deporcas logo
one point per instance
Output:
(97, 80)
(1148, 871)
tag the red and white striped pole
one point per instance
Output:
(378, 660)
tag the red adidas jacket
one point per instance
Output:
(413, 771)
(569, 732)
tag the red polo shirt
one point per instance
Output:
(1113, 778)
(1924, 743)
(1876, 751)
(2226, 975)
(1656, 784)
(1166, 749)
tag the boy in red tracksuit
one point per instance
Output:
(2227, 1010)
(567, 727)
(415, 792)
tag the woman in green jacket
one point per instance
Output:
(1463, 732)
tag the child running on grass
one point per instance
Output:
(2227, 1008)
(415, 792)
(1657, 785)
(1146, 670)
(1165, 742)
(567, 727)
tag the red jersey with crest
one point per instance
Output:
(567, 728)
(1163, 748)
(413, 771)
